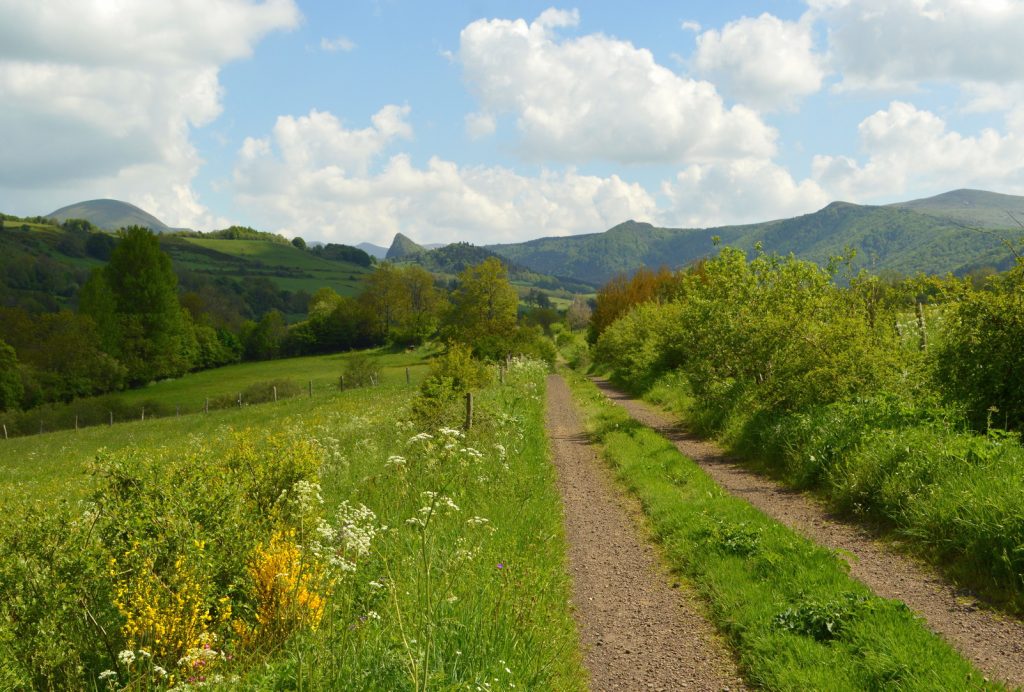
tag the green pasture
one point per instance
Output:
(52, 465)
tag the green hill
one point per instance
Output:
(43, 266)
(931, 236)
(449, 260)
(109, 214)
(402, 247)
(976, 208)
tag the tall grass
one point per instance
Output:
(338, 546)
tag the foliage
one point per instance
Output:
(135, 303)
(483, 311)
(11, 387)
(845, 389)
(980, 360)
(259, 552)
(343, 253)
(361, 370)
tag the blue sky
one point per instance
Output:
(498, 122)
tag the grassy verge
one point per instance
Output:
(795, 617)
(321, 544)
(951, 495)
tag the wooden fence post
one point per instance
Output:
(923, 343)
(206, 409)
(341, 382)
(311, 389)
(76, 423)
(5, 431)
(239, 400)
(407, 376)
(275, 392)
(143, 413)
(469, 410)
(177, 411)
(111, 418)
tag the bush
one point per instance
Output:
(361, 370)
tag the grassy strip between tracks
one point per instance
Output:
(788, 607)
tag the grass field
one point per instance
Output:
(325, 543)
(289, 267)
(47, 465)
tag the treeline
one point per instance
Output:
(894, 398)
(134, 325)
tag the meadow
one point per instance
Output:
(333, 542)
(290, 268)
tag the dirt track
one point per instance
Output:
(994, 643)
(639, 629)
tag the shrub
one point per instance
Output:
(361, 370)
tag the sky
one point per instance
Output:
(496, 122)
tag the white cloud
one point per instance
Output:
(740, 191)
(351, 196)
(765, 62)
(599, 98)
(480, 125)
(342, 44)
(912, 151)
(690, 25)
(897, 44)
(99, 98)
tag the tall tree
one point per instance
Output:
(483, 312)
(147, 318)
(10, 379)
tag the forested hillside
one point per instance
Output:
(959, 232)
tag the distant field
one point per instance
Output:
(287, 266)
(52, 465)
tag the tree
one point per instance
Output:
(299, 242)
(10, 379)
(146, 318)
(420, 306)
(578, 314)
(383, 297)
(483, 312)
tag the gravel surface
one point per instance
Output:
(640, 629)
(994, 642)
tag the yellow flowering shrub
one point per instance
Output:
(169, 612)
(288, 590)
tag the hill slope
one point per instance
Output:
(110, 215)
(921, 236)
(976, 208)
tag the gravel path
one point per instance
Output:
(639, 629)
(995, 643)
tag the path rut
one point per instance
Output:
(638, 631)
(993, 642)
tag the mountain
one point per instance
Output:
(402, 247)
(110, 215)
(452, 259)
(373, 250)
(931, 236)
(976, 208)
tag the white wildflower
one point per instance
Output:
(126, 657)
(108, 674)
